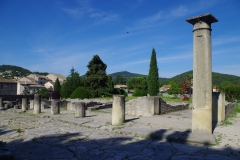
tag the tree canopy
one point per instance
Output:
(138, 83)
(72, 82)
(119, 80)
(96, 78)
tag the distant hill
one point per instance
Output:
(127, 75)
(16, 71)
(217, 78)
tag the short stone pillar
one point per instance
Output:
(156, 104)
(16, 106)
(42, 106)
(69, 105)
(118, 110)
(1, 103)
(6, 105)
(37, 104)
(218, 107)
(80, 109)
(55, 107)
(31, 104)
(24, 104)
(202, 73)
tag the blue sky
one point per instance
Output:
(56, 35)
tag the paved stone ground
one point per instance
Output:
(24, 135)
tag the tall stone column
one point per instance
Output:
(37, 104)
(24, 104)
(118, 110)
(202, 73)
(1, 103)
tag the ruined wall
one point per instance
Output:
(142, 106)
(229, 109)
(171, 107)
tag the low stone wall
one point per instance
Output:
(171, 107)
(229, 109)
(139, 107)
(142, 106)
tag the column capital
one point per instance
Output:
(207, 18)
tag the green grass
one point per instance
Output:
(64, 107)
(235, 112)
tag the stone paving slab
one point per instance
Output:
(46, 136)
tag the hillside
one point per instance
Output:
(9, 71)
(217, 78)
(127, 75)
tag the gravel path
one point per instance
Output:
(24, 135)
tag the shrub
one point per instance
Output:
(116, 91)
(123, 92)
(79, 92)
(139, 93)
(55, 95)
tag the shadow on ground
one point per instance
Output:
(79, 146)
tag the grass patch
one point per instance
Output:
(131, 98)
(226, 122)
(63, 121)
(235, 112)
(174, 99)
(64, 107)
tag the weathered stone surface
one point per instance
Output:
(46, 136)
(1, 103)
(37, 104)
(55, 107)
(118, 110)
(24, 104)
(80, 109)
(202, 73)
(229, 109)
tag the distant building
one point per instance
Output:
(53, 77)
(39, 79)
(49, 85)
(8, 87)
(121, 86)
(165, 88)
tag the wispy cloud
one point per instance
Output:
(103, 17)
(226, 40)
(179, 11)
(85, 11)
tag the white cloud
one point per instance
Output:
(180, 11)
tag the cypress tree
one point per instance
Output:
(153, 84)
(57, 86)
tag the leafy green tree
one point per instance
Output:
(175, 89)
(153, 78)
(44, 93)
(96, 78)
(139, 92)
(119, 80)
(110, 84)
(123, 92)
(232, 91)
(57, 86)
(138, 82)
(72, 82)
(79, 92)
